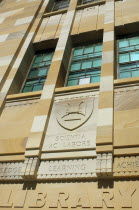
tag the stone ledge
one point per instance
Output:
(117, 82)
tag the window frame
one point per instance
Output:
(70, 62)
(127, 37)
(27, 78)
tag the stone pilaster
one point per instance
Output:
(104, 139)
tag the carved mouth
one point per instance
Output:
(72, 116)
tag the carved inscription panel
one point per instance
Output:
(71, 141)
(72, 124)
(10, 170)
(128, 165)
(78, 168)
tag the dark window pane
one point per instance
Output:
(88, 1)
(88, 49)
(42, 71)
(89, 72)
(134, 56)
(27, 88)
(97, 54)
(33, 73)
(137, 63)
(97, 62)
(41, 64)
(78, 51)
(47, 57)
(123, 43)
(34, 65)
(135, 73)
(86, 64)
(65, 2)
(134, 41)
(60, 5)
(123, 58)
(32, 81)
(43, 79)
(137, 47)
(95, 79)
(38, 58)
(126, 49)
(76, 74)
(80, 57)
(125, 74)
(37, 87)
(98, 48)
(75, 66)
(128, 66)
(93, 72)
(72, 82)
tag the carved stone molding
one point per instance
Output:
(126, 166)
(74, 96)
(68, 155)
(10, 171)
(82, 168)
(126, 89)
(104, 166)
(20, 103)
(63, 169)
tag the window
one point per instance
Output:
(58, 5)
(38, 72)
(128, 57)
(85, 65)
(88, 1)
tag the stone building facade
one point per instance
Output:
(69, 87)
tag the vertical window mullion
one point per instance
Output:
(24, 83)
(68, 71)
(130, 72)
(119, 70)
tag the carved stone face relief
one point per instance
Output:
(73, 114)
